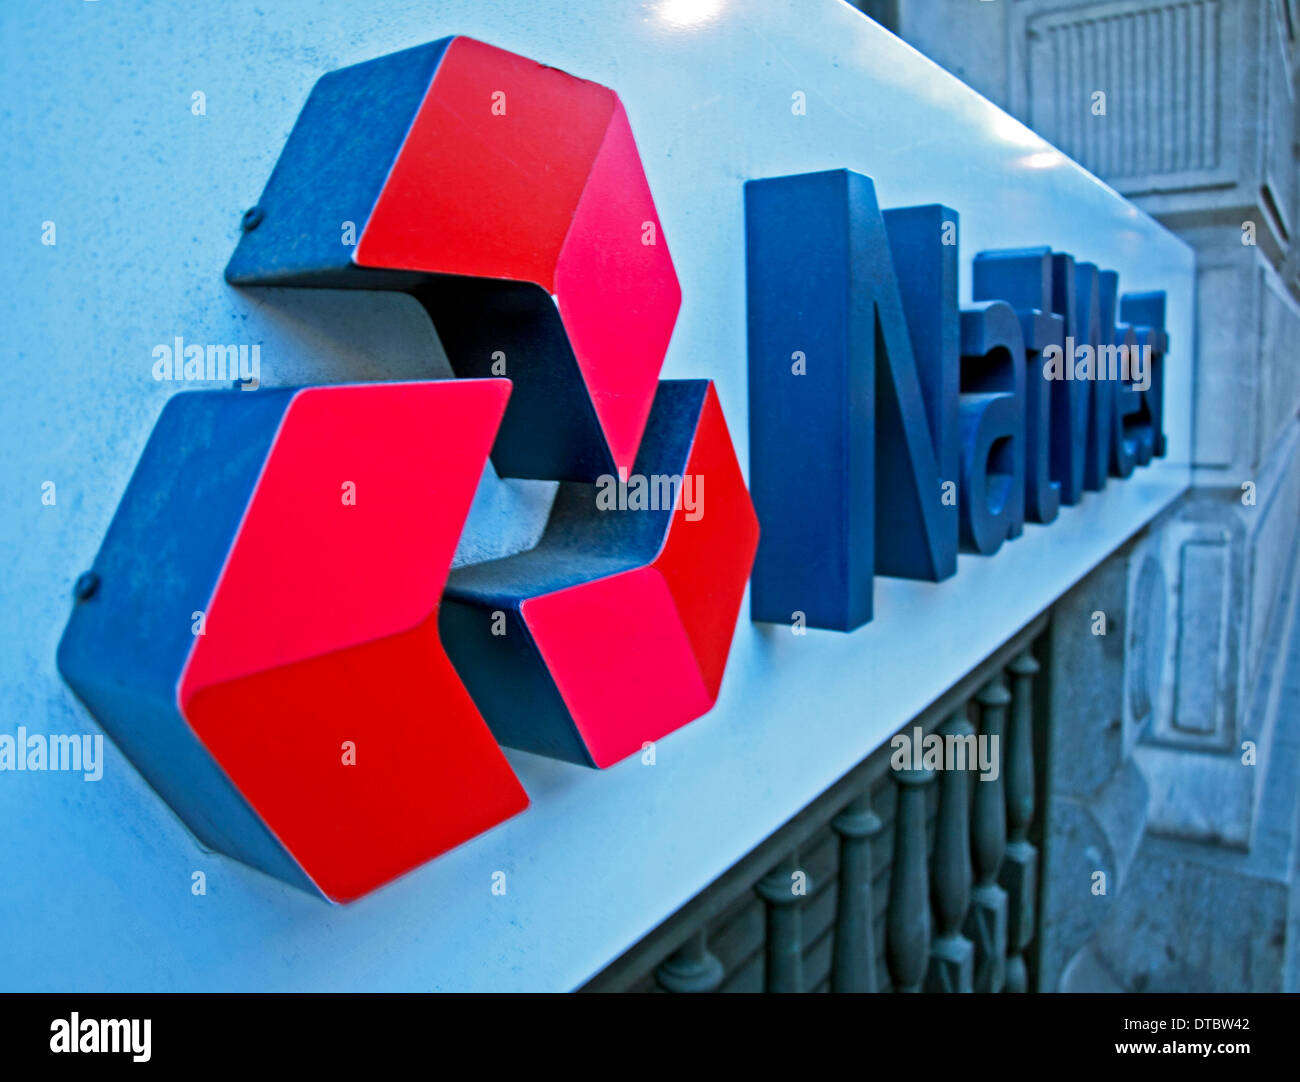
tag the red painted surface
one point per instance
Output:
(639, 654)
(706, 562)
(320, 685)
(617, 292)
(323, 629)
(488, 195)
(428, 773)
(551, 191)
(620, 658)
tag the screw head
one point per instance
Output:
(252, 219)
(85, 586)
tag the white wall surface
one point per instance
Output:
(99, 137)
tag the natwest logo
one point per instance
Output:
(273, 631)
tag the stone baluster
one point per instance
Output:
(853, 964)
(785, 888)
(1019, 877)
(907, 924)
(986, 923)
(952, 956)
(690, 968)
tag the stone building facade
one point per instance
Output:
(1181, 724)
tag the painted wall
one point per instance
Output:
(95, 877)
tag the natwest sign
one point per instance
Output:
(273, 630)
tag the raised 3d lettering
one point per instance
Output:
(848, 460)
(992, 493)
(1023, 278)
(1059, 386)
(1146, 312)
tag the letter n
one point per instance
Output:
(918, 372)
(847, 461)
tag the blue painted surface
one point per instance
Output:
(811, 443)
(1023, 278)
(1087, 287)
(125, 646)
(1125, 404)
(95, 878)
(1070, 400)
(1097, 469)
(581, 544)
(333, 166)
(853, 388)
(917, 380)
(330, 173)
(1147, 312)
(991, 495)
(550, 429)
